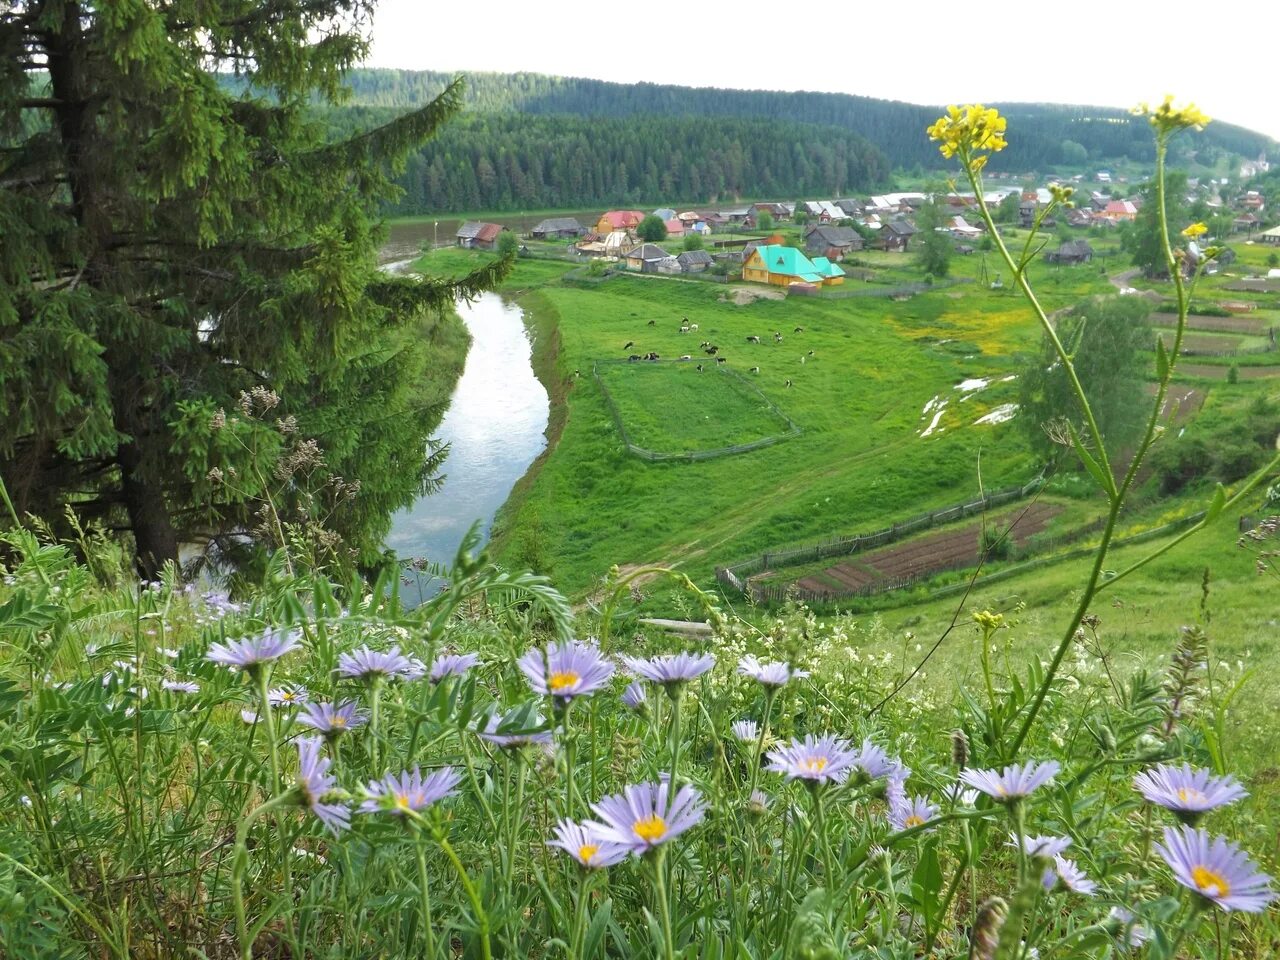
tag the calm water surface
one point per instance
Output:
(495, 427)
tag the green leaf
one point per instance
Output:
(1090, 464)
(1216, 504)
(596, 931)
(1162, 360)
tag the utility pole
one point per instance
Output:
(435, 234)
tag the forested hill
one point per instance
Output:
(1043, 135)
(503, 161)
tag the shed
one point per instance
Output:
(647, 258)
(694, 261)
(558, 228)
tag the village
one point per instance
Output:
(800, 245)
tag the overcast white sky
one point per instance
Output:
(1114, 53)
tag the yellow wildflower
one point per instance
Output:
(968, 130)
(1195, 230)
(1168, 119)
(988, 621)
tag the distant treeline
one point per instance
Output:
(1041, 135)
(496, 161)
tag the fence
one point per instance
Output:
(778, 593)
(693, 456)
(843, 292)
(738, 575)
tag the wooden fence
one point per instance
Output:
(779, 593)
(693, 456)
(737, 576)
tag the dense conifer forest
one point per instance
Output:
(536, 141)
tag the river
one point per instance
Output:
(495, 427)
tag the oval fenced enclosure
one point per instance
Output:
(672, 410)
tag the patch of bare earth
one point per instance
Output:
(744, 296)
(918, 558)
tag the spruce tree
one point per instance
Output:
(175, 231)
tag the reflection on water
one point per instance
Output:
(495, 429)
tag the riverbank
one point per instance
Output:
(542, 321)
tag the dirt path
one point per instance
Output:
(914, 559)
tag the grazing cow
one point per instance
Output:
(628, 345)
(704, 344)
(777, 338)
(684, 320)
(755, 369)
(634, 357)
(693, 326)
(652, 323)
(712, 350)
(686, 357)
(699, 368)
(651, 356)
(798, 330)
(811, 353)
(753, 339)
(722, 359)
(788, 383)
(683, 330)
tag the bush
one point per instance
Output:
(995, 544)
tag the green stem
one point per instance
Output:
(428, 924)
(1019, 830)
(770, 695)
(475, 784)
(241, 860)
(829, 865)
(570, 763)
(664, 907)
(375, 713)
(675, 744)
(580, 917)
(482, 918)
(262, 674)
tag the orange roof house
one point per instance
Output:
(618, 220)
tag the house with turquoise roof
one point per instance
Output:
(783, 266)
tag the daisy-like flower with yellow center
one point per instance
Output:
(580, 841)
(1215, 869)
(814, 759)
(410, 791)
(645, 816)
(566, 670)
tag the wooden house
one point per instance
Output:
(896, 235)
(1118, 210)
(784, 266)
(618, 220)
(1070, 252)
(648, 258)
(558, 228)
(476, 235)
(832, 242)
(694, 261)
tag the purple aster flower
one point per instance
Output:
(644, 816)
(452, 665)
(670, 668)
(410, 791)
(513, 740)
(580, 841)
(331, 719)
(748, 731)
(960, 795)
(1187, 791)
(287, 696)
(775, 674)
(566, 670)
(895, 787)
(249, 653)
(911, 812)
(181, 686)
(1043, 847)
(249, 716)
(315, 783)
(871, 762)
(1216, 869)
(1070, 875)
(634, 697)
(817, 759)
(369, 664)
(1013, 781)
